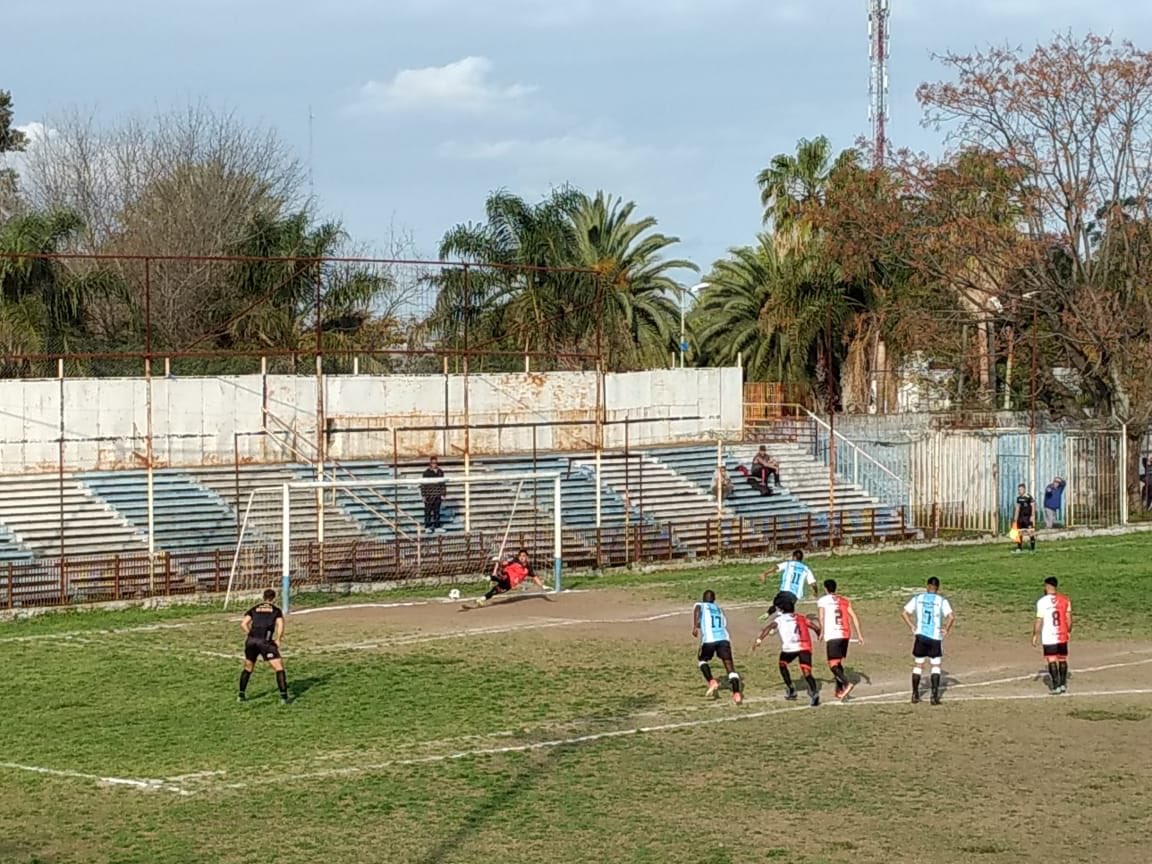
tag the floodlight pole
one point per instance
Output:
(683, 333)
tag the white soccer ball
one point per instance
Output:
(454, 594)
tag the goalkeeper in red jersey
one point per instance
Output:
(511, 574)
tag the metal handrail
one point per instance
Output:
(294, 451)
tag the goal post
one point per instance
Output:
(374, 529)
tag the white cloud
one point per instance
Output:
(464, 85)
(36, 135)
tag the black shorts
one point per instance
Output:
(503, 582)
(254, 649)
(805, 658)
(721, 649)
(933, 649)
(1060, 649)
(837, 649)
(1024, 523)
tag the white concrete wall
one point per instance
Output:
(207, 420)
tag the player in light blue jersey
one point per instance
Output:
(930, 618)
(711, 627)
(795, 576)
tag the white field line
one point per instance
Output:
(352, 770)
(143, 784)
(114, 631)
(173, 784)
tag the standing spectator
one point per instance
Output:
(433, 495)
(1146, 485)
(1053, 497)
(721, 483)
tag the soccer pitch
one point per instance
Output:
(573, 727)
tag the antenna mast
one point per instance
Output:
(878, 79)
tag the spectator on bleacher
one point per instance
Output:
(433, 495)
(764, 466)
(1053, 497)
(721, 483)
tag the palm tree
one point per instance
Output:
(786, 315)
(791, 183)
(726, 321)
(42, 307)
(638, 307)
(270, 300)
(510, 297)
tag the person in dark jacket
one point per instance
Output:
(433, 495)
(1053, 499)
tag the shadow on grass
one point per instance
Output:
(302, 685)
(511, 793)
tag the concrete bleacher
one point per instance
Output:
(653, 504)
(236, 487)
(578, 493)
(10, 548)
(185, 515)
(52, 516)
(798, 506)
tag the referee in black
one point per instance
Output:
(263, 626)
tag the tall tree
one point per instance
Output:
(12, 140)
(789, 315)
(1074, 118)
(639, 301)
(792, 183)
(511, 298)
(42, 307)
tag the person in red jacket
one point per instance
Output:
(511, 575)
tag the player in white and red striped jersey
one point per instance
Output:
(838, 624)
(795, 643)
(1052, 629)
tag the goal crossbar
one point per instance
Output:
(462, 480)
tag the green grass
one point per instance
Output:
(357, 768)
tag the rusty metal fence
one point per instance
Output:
(79, 580)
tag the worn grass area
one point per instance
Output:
(575, 731)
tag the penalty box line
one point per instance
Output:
(886, 698)
(643, 730)
(172, 784)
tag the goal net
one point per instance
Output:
(347, 530)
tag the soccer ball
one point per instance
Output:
(454, 594)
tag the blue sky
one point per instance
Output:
(423, 106)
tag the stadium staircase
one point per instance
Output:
(658, 493)
(797, 509)
(33, 507)
(10, 549)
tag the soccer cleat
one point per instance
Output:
(241, 698)
(843, 694)
(790, 694)
(481, 601)
(915, 698)
(737, 698)
(815, 700)
(283, 700)
(713, 686)
(935, 699)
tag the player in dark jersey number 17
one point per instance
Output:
(263, 626)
